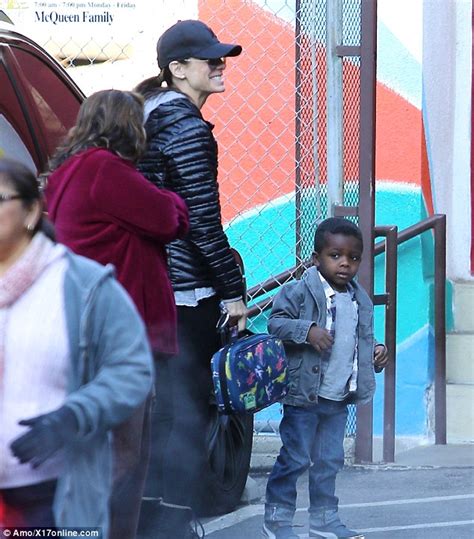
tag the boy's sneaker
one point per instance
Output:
(335, 530)
(326, 524)
(272, 531)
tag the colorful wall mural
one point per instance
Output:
(255, 126)
(403, 182)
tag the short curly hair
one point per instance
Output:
(335, 225)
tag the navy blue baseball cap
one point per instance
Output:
(192, 39)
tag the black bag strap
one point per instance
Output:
(223, 381)
(228, 334)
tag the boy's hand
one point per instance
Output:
(380, 357)
(320, 339)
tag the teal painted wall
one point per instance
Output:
(266, 241)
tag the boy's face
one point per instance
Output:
(339, 259)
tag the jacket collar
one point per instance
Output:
(172, 105)
(321, 290)
(160, 99)
(312, 281)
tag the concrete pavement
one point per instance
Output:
(427, 492)
(447, 456)
(408, 452)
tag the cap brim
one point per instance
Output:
(219, 50)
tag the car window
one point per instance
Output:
(16, 138)
(11, 145)
(55, 102)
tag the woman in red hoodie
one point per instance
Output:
(103, 208)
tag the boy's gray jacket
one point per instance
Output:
(296, 307)
(110, 374)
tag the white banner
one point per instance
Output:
(92, 35)
(96, 31)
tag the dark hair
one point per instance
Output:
(111, 119)
(335, 225)
(154, 85)
(25, 183)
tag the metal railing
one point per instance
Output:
(437, 223)
(389, 246)
(389, 299)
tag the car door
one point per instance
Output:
(38, 101)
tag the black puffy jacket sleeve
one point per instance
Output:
(182, 156)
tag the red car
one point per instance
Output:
(38, 104)
(38, 100)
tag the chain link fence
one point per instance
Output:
(271, 126)
(271, 123)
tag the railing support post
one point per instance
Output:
(440, 328)
(389, 299)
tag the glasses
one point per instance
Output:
(4, 197)
(211, 62)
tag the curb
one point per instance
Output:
(266, 448)
(410, 453)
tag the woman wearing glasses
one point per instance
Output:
(74, 363)
(181, 155)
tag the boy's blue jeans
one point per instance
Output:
(312, 437)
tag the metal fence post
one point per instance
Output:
(440, 329)
(364, 442)
(389, 299)
(334, 106)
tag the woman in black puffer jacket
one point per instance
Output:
(182, 156)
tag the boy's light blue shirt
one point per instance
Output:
(327, 388)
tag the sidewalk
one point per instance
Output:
(427, 492)
(440, 456)
(409, 453)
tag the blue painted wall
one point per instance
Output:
(266, 239)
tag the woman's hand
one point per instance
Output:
(237, 311)
(48, 433)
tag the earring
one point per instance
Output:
(29, 227)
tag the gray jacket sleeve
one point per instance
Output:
(118, 362)
(286, 320)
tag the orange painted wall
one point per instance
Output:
(256, 157)
(399, 138)
(255, 118)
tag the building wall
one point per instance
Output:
(405, 163)
(447, 49)
(422, 146)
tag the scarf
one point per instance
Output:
(15, 282)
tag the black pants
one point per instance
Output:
(131, 448)
(29, 506)
(181, 411)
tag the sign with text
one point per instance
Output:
(69, 12)
(100, 30)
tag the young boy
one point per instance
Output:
(326, 322)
